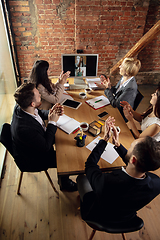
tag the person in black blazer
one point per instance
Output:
(118, 195)
(32, 141)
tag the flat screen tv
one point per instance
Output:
(80, 65)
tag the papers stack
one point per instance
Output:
(109, 154)
(92, 83)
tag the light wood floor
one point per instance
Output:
(37, 214)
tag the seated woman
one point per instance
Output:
(126, 88)
(51, 93)
(149, 120)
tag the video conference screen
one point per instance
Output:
(80, 64)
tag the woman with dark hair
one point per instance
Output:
(149, 120)
(50, 93)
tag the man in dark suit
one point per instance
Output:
(118, 195)
(32, 141)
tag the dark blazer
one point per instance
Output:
(32, 145)
(116, 196)
(127, 93)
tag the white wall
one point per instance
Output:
(7, 81)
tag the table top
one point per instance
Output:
(70, 158)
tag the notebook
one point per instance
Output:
(98, 102)
(67, 124)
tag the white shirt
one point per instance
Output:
(123, 84)
(148, 121)
(124, 170)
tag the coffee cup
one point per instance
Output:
(82, 95)
(84, 126)
(88, 90)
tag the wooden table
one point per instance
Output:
(70, 158)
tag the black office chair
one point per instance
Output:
(138, 99)
(133, 225)
(6, 140)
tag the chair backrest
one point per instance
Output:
(138, 99)
(21, 161)
(132, 225)
(5, 137)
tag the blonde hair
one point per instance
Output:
(131, 66)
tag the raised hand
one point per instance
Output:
(115, 136)
(128, 113)
(109, 123)
(125, 103)
(55, 112)
(106, 83)
(63, 77)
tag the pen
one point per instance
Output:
(98, 100)
(76, 130)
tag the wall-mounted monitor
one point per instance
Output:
(80, 65)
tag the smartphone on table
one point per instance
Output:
(101, 115)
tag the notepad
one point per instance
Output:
(98, 102)
(92, 83)
(109, 154)
(67, 124)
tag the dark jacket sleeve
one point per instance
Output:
(122, 151)
(92, 170)
(93, 173)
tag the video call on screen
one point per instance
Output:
(80, 65)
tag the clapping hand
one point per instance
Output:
(55, 112)
(106, 83)
(115, 136)
(63, 77)
(109, 123)
(127, 110)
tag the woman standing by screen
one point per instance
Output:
(51, 93)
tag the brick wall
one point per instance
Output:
(45, 29)
(150, 56)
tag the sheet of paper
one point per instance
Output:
(98, 102)
(91, 82)
(109, 155)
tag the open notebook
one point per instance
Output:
(67, 124)
(98, 102)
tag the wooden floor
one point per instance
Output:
(37, 214)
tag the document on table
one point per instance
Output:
(109, 154)
(92, 82)
(98, 102)
(67, 124)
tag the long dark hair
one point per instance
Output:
(157, 105)
(39, 75)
